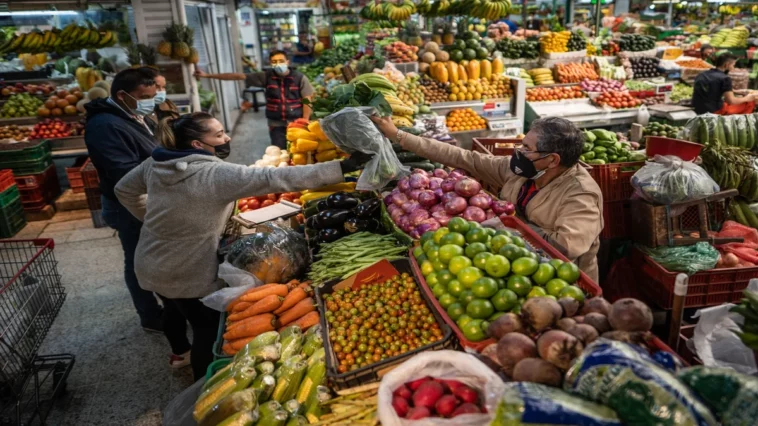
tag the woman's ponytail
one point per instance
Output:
(165, 133)
(178, 132)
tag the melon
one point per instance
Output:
(423, 67)
(427, 57)
(442, 56)
(432, 47)
(97, 93)
(103, 85)
(81, 103)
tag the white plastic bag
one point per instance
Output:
(178, 412)
(716, 344)
(643, 115)
(668, 180)
(239, 281)
(451, 365)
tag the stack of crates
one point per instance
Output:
(12, 217)
(35, 176)
(74, 175)
(92, 190)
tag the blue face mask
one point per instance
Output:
(281, 69)
(160, 97)
(144, 106)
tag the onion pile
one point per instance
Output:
(273, 157)
(602, 85)
(426, 201)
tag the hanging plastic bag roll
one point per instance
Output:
(352, 130)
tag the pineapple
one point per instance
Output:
(180, 49)
(194, 56)
(413, 34)
(147, 53)
(164, 47)
(447, 33)
(133, 55)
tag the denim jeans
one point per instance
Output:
(128, 227)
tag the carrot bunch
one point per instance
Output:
(574, 73)
(266, 308)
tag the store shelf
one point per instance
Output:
(581, 112)
(21, 121)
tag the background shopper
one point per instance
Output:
(712, 91)
(163, 106)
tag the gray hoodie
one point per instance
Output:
(190, 200)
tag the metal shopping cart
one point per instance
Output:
(31, 295)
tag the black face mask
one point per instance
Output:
(524, 167)
(221, 151)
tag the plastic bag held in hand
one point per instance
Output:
(448, 365)
(239, 281)
(353, 131)
(668, 180)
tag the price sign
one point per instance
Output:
(662, 89)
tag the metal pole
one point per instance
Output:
(598, 16)
(669, 18)
(523, 14)
(677, 311)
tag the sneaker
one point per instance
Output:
(179, 361)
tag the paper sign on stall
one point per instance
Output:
(282, 209)
(379, 271)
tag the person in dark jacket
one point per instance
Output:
(285, 90)
(118, 140)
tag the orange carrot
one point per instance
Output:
(291, 300)
(292, 284)
(306, 321)
(255, 289)
(306, 285)
(267, 304)
(301, 308)
(227, 348)
(240, 343)
(251, 327)
(277, 289)
(240, 306)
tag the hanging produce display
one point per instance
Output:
(70, 38)
(178, 42)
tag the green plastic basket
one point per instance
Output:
(218, 352)
(215, 366)
(26, 151)
(12, 218)
(8, 196)
(27, 167)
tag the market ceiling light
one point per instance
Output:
(40, 12)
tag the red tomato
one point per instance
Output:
(271, 197)
(253, 203)
(285, 197)
(267, 203)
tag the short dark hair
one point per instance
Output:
(724, 58)
(130, 79)
(277, 52)
(705, 47)
(559, 136)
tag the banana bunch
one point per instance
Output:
(373, 12)
(377, 82)
(487, 9)
(440, 8)
(748, 308)
(72, 37)
(423, 7)
(87, 77)
(730, 38)
(541, 76)
(401, 11)
(729, 10)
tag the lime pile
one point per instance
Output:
(478, 274)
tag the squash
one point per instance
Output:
(452, 71)
(473, 70)
(462, 74)
(486, 68)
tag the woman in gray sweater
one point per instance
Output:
(184, 195)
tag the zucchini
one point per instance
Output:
(425, 166)
(750, 217)
(410, 157)
(310, 211)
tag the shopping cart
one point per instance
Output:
(31, 295)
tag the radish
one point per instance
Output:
(466, 409)
(413, 385)
(402, 392)
(427, 394)
(417, 413)
(466, 394)
(401, 406)
(446, 405)
(451, 385)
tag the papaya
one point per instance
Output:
(486, 68)
(473, 70)
(462, 74)
(497, 66)
(452, 71)
(442, 74)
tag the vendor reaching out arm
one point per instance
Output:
(543, 179)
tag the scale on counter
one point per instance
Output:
(672, 112)
(507, 125)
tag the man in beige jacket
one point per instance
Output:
(543, 179)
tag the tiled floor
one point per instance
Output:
(121, 375)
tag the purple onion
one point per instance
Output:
(388, 199)
(399, 199)
(397, 215)
(448, 196)
(440, 173)
(442, 217)
(467, 187)
(480, 200)
(448, 184)
(414, 193)
(474, 213)
(428, 198)
(439, 192)
(437, 208)
(415, 234)
(404, 184)
(458, 174)
(490, 214)
(410, 206)
(420, 172)
(419, 181)
(393, 207)
(428, 225)
(405, 224)
(435, 182)
(417, 216)
(456, 205)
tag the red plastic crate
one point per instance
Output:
(585, 283)
(706, 288)
(6, 179)
(41, 187)
(93, 198)
(616, 220)
(615, 180)
(89, 176)
(74, 175)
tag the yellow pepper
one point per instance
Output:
(314, 196)
(325, 146)
(326, 156)
(305, 145)
(299, 159)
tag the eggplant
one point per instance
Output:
(368, 208)
(341, 200)
(329, 235)
(312, 222)
(322, 206)
(333, 218)
(355, 224)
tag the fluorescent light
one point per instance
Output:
(39, 12)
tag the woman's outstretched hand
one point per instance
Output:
(385, 125)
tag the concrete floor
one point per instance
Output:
(121, 374)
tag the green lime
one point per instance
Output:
(429, 245)
(475, 248)
(473, 225)
(545, 272)
(518, 241)
(453, 238)
(426, 268)
(477, 235)
(455, 288)
(433, 254)
(531, 254)
(473, 331)
(504, 300)
(484, 287)
(510, 251)
(466, 297)
(491, 232)
(485, 325)
(458, 224)
(556, 263)
(573, 292)
(516, 309)
(536, 292)
(438, 234)
(457, 263)
(455, 311)
(502, 232)
(501, 283)
(525, 266)
(462, 321)
(438, 266)
(468, 275)
(555, 286)
(444, 277)
(418, 252)
(449, 251)
(568, 272)
(480, 260)
(495, 316)
(446, 300)
(497, 266)
(480, 309)
(438, 290)
(498, 241)
(428, 236)
(550, 296)
(520, 285)
(431, 279)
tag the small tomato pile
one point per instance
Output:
(254, 203)
(432, 397)
(52, 129)
(399, 52)
(617, 100)
(537, 94)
